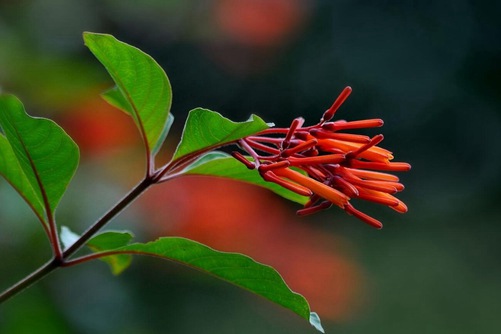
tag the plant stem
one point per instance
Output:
(57, 262)
(61, 259)
(30, 279)
(91, 231)
(54, 236)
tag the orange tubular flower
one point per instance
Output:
(330, 167)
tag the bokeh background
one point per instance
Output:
(431, 70)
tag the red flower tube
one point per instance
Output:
(334, 167)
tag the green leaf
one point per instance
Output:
(143, 89)
(206, 159)
(114, 97)
(110, 240)
(234, 268)
(223, 165)
(163, 135)
(13, 173)
(102, 242)
(46, 155)
(205, 129)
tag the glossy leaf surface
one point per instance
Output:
(234, 268)
(45, 154)
(102, 242)
(143, 89)
(206, 129)
(115, 98)
(13, 173)
(223, 165)
(109, 240)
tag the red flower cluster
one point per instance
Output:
(336, 166)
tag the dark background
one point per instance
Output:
(431, 70)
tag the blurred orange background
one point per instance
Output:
(430, 70)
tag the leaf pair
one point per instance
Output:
(39, 159)
(142, 87)
(143, 91)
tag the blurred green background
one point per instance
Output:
(431, 70)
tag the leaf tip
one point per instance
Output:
(90, 37)
(315, 322)
(86, 35)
